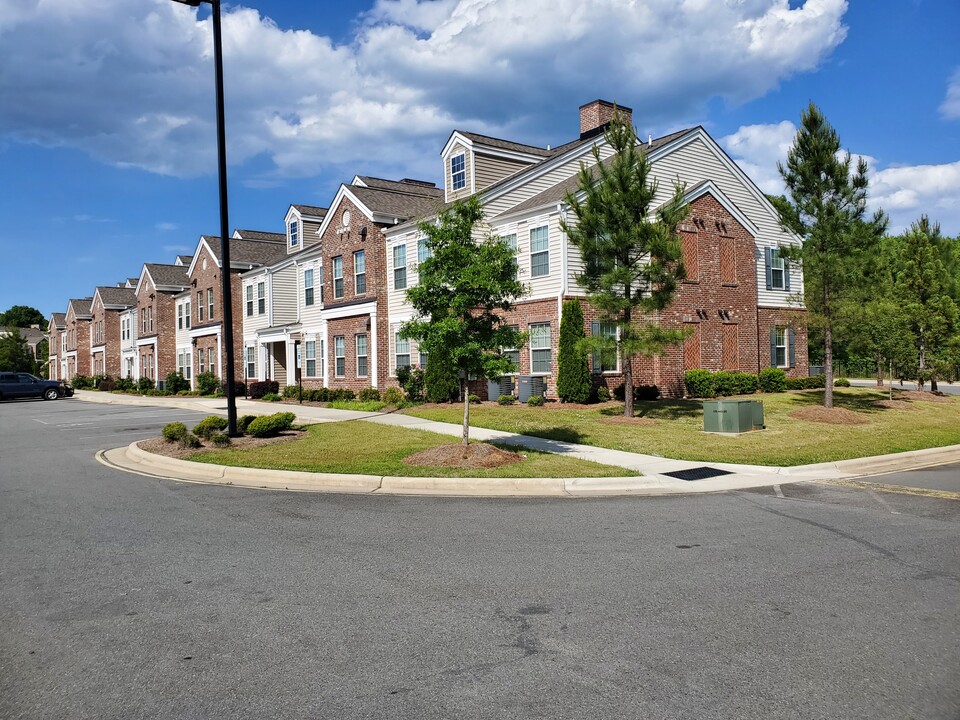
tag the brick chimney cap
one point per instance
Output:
(624, 108)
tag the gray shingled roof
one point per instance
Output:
(250, 252)
(412, 187)
(184, 259)
(261, 235)
(117, 296)
(81, 306)
(168, 275)
(400, 205)
(59, 320)
(505, 144)
(311, 210)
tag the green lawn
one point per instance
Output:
(368, 449)
(678, 431)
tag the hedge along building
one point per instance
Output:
(741, 302)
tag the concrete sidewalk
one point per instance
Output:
(654, 469)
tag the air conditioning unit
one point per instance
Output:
(530, 386)
(496, 388)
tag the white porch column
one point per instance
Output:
(219, 355)
(325, 349)
(291, 349)
(374, 370)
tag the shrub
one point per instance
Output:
(272, 397)
(243, 422)
(174, 432)
(270, 425)
(144, 384)
(81, 382)
(189, 393)
(124, 384)
(155, 393)
(107, 385)
(535, 401)
(358, 405)
(290, 391)
(640, 392)
(772, 380)
(207, 383)
(411, 380)
(603, 394)
(190, 441)
(264, 387)
(342, 394)
(370, 394)
(440, 378)
(239, 388)
(841, 382)
(573, 372)
(807, 383)
(175, 382)
(220, 440)
(700, 383)
(394, 396)
(506, 400)
(474, 399)
(210, 426)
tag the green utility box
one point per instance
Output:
(732, 416)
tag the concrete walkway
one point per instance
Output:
(654, 480)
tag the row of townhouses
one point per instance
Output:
(322, 302)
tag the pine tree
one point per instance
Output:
(573, 372)
(631, 255)
(826, 208)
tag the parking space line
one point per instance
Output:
(777, 491)
(882, 502)
(40, 421)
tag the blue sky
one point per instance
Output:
(107, 136)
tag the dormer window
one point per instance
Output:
(293, 230)
(458, 171)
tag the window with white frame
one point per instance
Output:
(778, 275)
(200, 306)
(539, 251)
(210, 303)
(511, 240)
(362, 370)
(261, 298)
(402, 354)
(513, 354)
(310, 353)
(179, 317)
(293, 229)
(249, 297)
(186, 314)
(150, 317)
(320, 280)
(359, 272)
(308, 287)
(201, 365)
(779, 347)
(251, 353)
(423, 250)
(540, 355)
(458, 171)
(399, 267)
(604, 362)
(337, 277)
(339, 356)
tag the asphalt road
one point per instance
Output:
(127, 597)
(944, 387)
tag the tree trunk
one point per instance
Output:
(923, 363)
(879, 360)
(828, 365)
(627, 384)
(466, 414)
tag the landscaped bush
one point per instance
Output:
(210, 426)
(370, 394)
(772, 380)
(841, 382)
(144, 384)
(175, 382)
(411, 380)
(290, 391)
(81, 382)
(124, 384)
(506, 400)
(343, 394)
(700, 383)
(734, 383)
(239, 388)
(807, 383)
(107, 385)
(189, 393)
(220, 440)
(573, 372)
(270, 425)
(603, 394)
(272, 397)
(640, 392)
(174, 432)
(153, 392)
(535, 401)
(263, 387)
(357, 405)
(207, 383)
(474, 399)
(441, 381)
(394, 396)
(190, 441)
(243, 422)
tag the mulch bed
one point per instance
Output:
(925, 396)
(474, 455)
(895, 404)
(624, 420)
(159, 446)
(832, 416)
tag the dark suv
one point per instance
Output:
(24, 385)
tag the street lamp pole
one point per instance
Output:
(227, 326)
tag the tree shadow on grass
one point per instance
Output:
(861, 402)
(668, 409)
(561, 433)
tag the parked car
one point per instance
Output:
(24, 385)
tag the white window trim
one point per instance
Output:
(336, 357)
(549, 349)
(365, 355)
(356, 274)
(343, 289)
(453, 175)
(531, 253)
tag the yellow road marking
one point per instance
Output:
(897, 489)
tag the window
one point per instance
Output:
(201, 366)
(320, 279)
(400, 267)
(778, 275)
(539, 252)
(511, 240)
(186, 314)
(310, 350)
(150, 317)
(249, 295)
(338, 277)
(782, 353)
(362, 356)
(602, 362)
(251, 353)
(210, 303)
(308, 287)
(423, 250)
(513, 354)
(199, 306)
(339, 356)
(424, 358)
(181, 362)
(359, 272)
(458, 171)
(403, 352)
(540, 360)
(293, 230)
(261, 298)
(179, 317)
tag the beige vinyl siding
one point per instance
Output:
(255, 322)
(695, 162)
(283, 297)
(489, 169)
(548, 285)
(397, 305)
(308, 233)
(458, 149)
(310, 316)
(182, 336)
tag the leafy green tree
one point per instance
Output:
(825, 206)
(440, 378)
(23, 316)
(880, 329)
(463, 289)
(632, 259)
(15, 355)
(573, 372)
(42, 362)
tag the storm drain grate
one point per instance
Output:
(697, 473)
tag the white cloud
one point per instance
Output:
(131, 83)
(166, 226)
(904, 192)
(950, 108)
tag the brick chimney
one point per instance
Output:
(596, 115)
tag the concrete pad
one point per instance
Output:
(472, 486)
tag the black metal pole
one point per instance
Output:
(227, 322)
